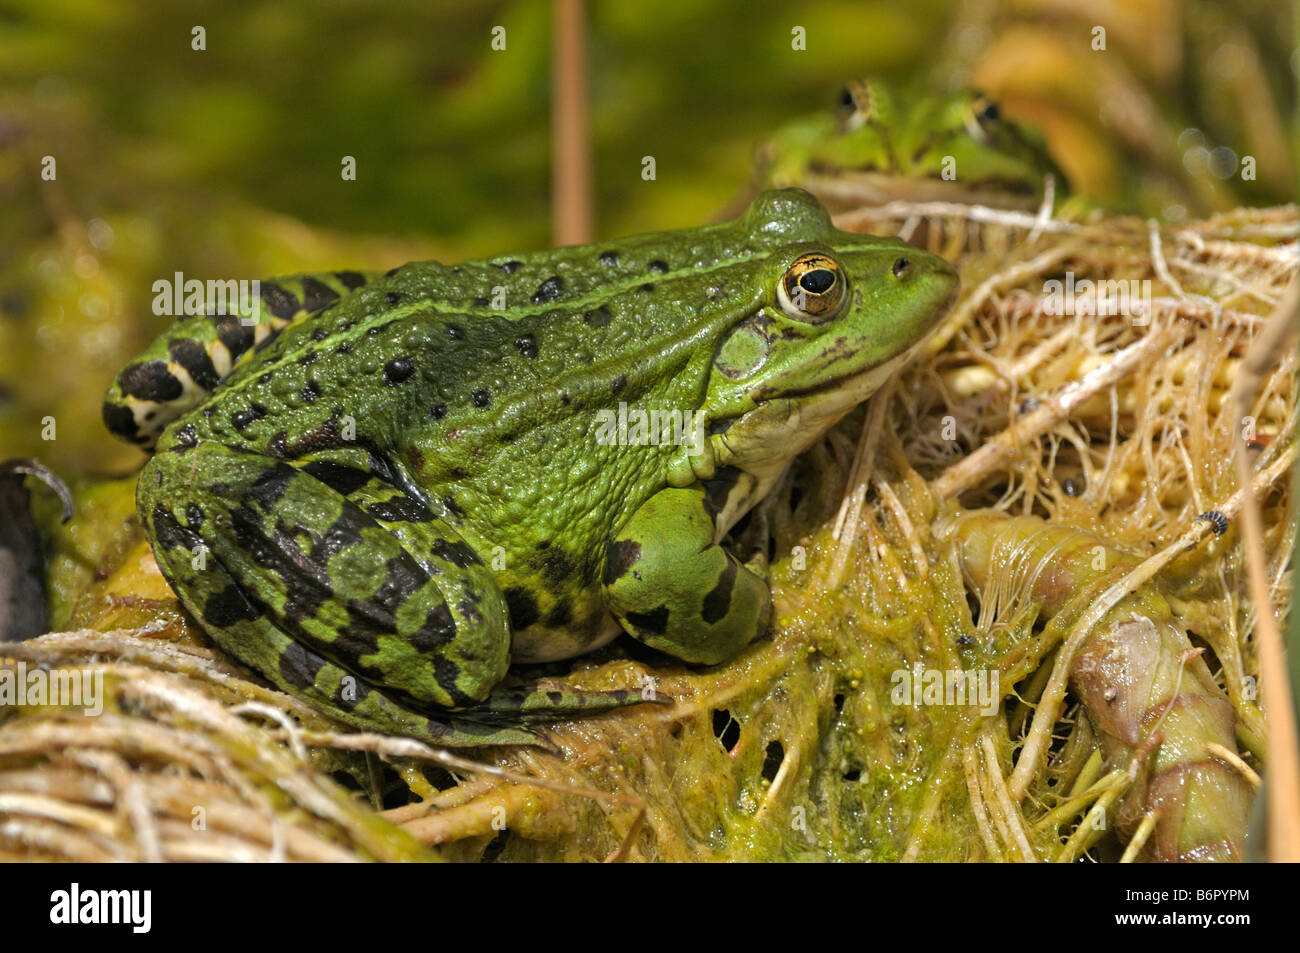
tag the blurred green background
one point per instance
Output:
(226, 162)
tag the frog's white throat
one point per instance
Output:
(777, 431)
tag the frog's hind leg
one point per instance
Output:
(197, 352)
(307, 586)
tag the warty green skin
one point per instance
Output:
(389, 490)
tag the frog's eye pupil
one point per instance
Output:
(990, 113)
(900, 267)
(812, 289)
(846, 100)
(818, 281)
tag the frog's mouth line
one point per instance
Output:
(805, 403)
(847, 383)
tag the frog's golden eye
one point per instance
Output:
(812, 289)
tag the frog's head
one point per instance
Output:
(873, 130)
(862, 103)
(837, 314)
(966, 135)
(855, 134)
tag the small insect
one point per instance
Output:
(1072, 486)
(1219, 520)
(1028, 404)
(965, 640)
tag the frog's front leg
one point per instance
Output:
(672, 587)
(289, 567)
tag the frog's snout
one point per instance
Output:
(929, 272)
(913, 264)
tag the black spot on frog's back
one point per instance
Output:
(549, 290)
(398, 370)
(241, 420)
(527, 345)
(597, 317)
(186, 436)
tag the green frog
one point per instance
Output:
(393, 485)
(875, 147)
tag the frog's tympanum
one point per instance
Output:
(393, 485)
(872, 148)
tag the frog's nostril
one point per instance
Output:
(901, 267)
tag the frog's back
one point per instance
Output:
(473, 336)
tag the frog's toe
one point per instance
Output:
(547, 700)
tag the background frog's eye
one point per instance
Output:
(855, 105)
(982, 119)
(812, 289)
(986, 110)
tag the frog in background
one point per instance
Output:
(876, 146)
